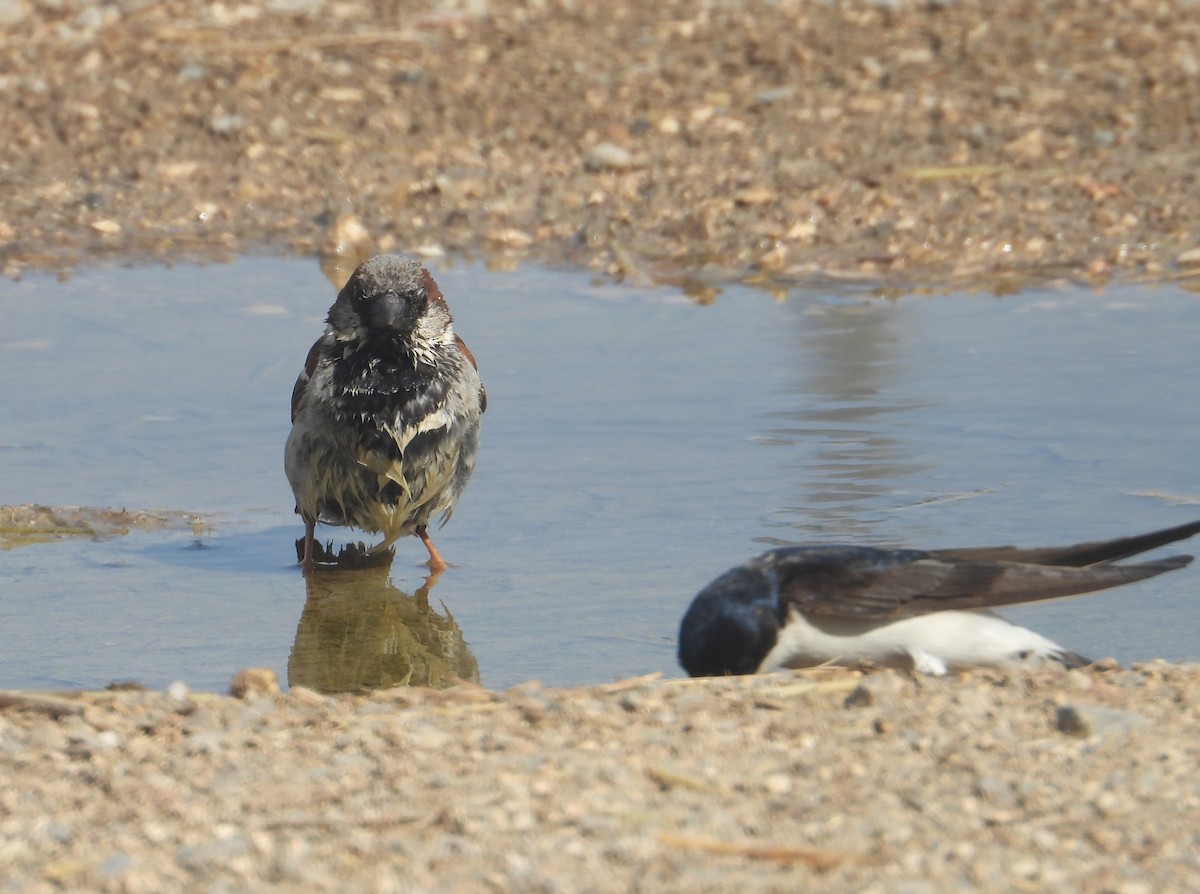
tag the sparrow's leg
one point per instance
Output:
(310, 528)
(436, 563)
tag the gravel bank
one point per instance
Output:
(1080, 781)
(974, 142)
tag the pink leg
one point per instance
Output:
(436, 563)
(310, 528)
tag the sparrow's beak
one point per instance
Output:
(390, 311)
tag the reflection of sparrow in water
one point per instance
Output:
(385, 416)
(807, 605)
(359, 632)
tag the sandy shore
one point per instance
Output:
(966, 143)
(1080, 781)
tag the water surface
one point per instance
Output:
(635, 445)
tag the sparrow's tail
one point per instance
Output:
(1079, 555)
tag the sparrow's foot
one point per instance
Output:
(349, 557)
(436, 563)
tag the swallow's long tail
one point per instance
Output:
(1079, 555)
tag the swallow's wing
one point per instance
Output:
(857, 582)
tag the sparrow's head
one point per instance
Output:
(389, 295)
(731, 625)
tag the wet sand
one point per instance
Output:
(966, 144)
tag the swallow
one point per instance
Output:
(927, 611)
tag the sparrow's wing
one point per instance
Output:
(854, 582)
(462, 346)
(1080, 554)
(310, 366)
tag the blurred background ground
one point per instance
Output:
(926, 142)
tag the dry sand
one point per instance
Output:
(1082, 781)
(970, 143)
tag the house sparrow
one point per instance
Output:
(385, 415)
(806, 605)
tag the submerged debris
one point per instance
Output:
(35, 523)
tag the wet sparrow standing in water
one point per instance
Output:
(385, 416)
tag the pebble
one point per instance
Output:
(995, 791)
(116, 864)
(607, 157)
(510, 237)
(107, 740)
(13, 11)
(1085, 721)
(254, 681)
(632, 702)
(774, 95)
(222, 124)
(778, 784)
(860, 697)
(873, 689)
(46, 735)
(106, 227)
(756, 195)
(295, 7)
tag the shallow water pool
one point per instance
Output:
(636, 444)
